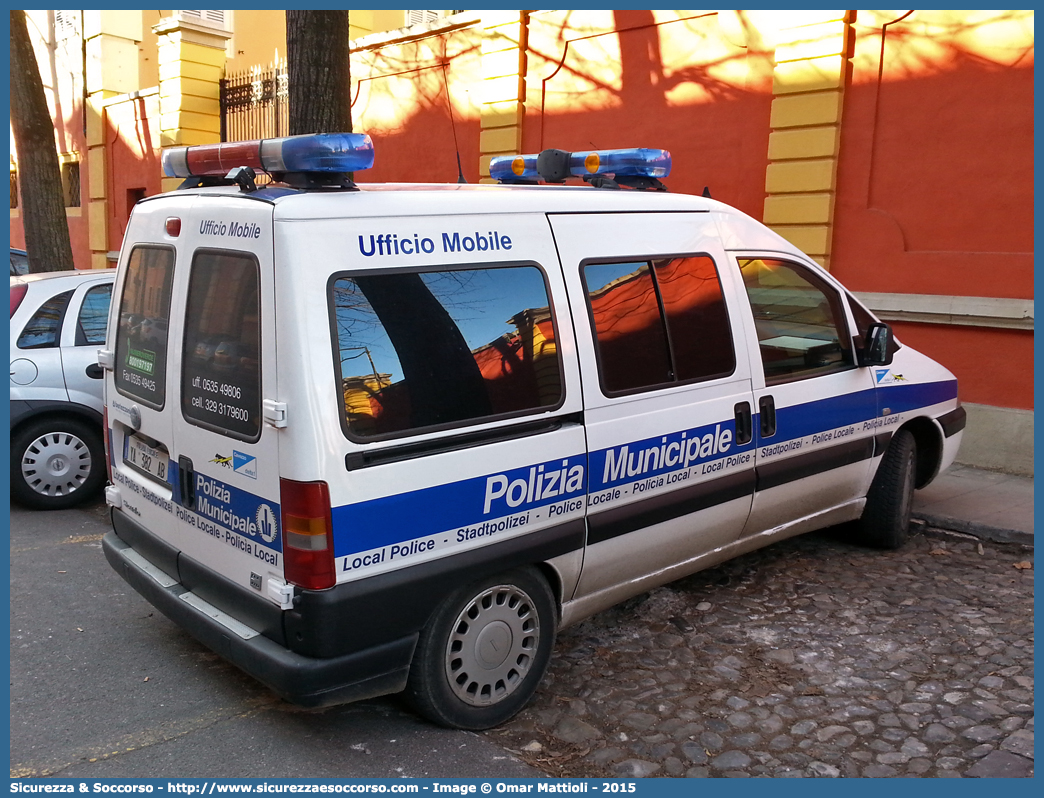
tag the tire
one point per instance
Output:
(885, 523)
(460, 677)
(56, 463)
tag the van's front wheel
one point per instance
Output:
(885, 522)
(484, 652)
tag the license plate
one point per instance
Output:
(145, 458)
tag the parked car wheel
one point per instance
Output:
(885, 523)
(484, 652)
(56, 463)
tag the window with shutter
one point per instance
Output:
(421, 17)
(214, 19)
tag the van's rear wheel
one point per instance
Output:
(484, 652)
(885, 523)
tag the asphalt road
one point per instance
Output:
(102, 685)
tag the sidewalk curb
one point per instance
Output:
(998, 534)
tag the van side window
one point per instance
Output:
(419, 350)
(42, 330)
(863, 319)
(141, 338)
(658, 323)
(221, 359)
(799, 321)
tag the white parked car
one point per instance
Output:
(57, 326)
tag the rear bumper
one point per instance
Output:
(307, 681)
(350, 642)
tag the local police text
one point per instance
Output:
(623, 462)
(538, 485)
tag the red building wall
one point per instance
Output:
(628, 79)
(132, 168)
(935, 191)
(416, 100)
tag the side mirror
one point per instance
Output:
(877, 345)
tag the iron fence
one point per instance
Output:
(254, 104)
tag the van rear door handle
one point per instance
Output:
(187, 482)
(744, 427)
(767, 408)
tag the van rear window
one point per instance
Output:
(141, 337)
(221, 360)
(421, 350)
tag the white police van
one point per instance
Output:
(380, 438)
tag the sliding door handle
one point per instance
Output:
(744, 426)
(767, 410)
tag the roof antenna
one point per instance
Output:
(706, 192)
(453, 125)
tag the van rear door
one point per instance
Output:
(227, 456)
(138, 389)
(194, 462)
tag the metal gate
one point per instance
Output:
(254, 104)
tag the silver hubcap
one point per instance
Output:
(492, 646)
(56, 464)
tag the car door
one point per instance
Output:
(813, 453)
(83, 334)
(36, 354)
(667, 400)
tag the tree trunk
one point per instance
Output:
(39, 178)
(317, 47)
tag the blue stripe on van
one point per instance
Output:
(662, 454)
(899, 397)
(810, 418)
(455, 505)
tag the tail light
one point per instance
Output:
(308, 559)
(17, 295)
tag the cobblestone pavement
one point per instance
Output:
(812, 658)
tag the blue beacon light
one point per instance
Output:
(512, 168)
(633, 162)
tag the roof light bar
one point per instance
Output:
(330, 153)
(556, 165)
(509, 168)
